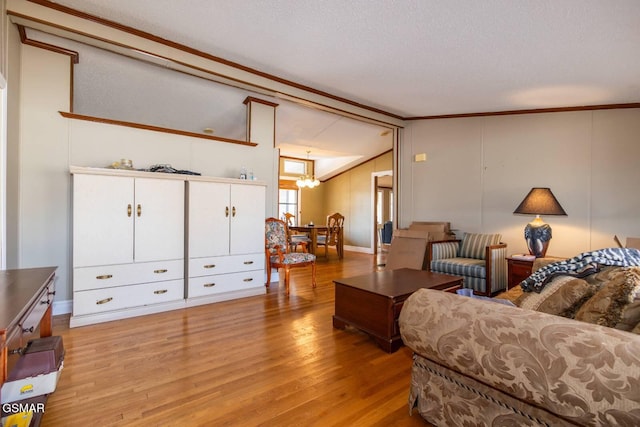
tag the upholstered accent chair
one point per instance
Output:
(278, 252)
(479, 258)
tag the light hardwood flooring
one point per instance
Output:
(268, 360)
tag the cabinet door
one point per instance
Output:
(159, 219)
(209, 213)
(247, 219)
(102, 220)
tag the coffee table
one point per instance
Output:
(372, 302)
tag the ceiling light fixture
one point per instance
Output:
(307, 180)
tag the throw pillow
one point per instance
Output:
(561, 297)
(473, 244)
(617, 303)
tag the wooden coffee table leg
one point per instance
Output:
(338, 324)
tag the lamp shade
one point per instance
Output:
(540, 201)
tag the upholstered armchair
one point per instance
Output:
(279, 256)
(479, 258)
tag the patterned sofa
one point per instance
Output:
(571, 358)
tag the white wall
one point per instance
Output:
(479, 169)
(49, 144)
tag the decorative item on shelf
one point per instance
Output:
(539, 201)
(122, 164)
(307, 180)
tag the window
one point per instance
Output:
(288, 203)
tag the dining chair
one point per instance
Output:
(333, 235)
(295, 238)
(278, 254)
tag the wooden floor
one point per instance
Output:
(267, 360)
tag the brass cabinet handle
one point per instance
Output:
(226, 211)
(160, 292)
(248, 262)
(210, 266)
(233, 211)
(209, 285)
(250, 279)
(104, 301)
(139, 210)
(164, 270)
(129, 210)
(104, 277)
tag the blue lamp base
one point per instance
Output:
(537, 235)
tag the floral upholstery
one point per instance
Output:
(275, 235)
(278, 253)
(480, 363)
(293, 258)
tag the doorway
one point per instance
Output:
(382, 183)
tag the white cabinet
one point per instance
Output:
(226, 240)
(131, 239)
(128, 245)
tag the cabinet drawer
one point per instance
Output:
(119, 297)
(220, 283)
(29, 323)
(521, 270)
(225, 264)
(87, 278)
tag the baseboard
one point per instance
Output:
(360, 249)
(62, 307)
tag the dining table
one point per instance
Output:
(313, 231)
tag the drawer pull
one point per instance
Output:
(104, 301)
(164, 270)
(248, 262)
(44, 302)
(209, 285)
(160, 292)
(210, 266)
(250, 279)
(129, 210)
(51, 293)
(104, 276)
(29, 330)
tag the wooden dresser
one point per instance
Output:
(26, 297)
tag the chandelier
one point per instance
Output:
(307, 180)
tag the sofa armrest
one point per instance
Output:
(496, 273)
(585, 373)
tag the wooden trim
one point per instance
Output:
(249, 99)
(75, 56)
(184, 48)
(531, 111)
(287, 184)
(154, 128)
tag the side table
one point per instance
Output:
(518, 270)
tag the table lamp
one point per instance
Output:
(539, 201)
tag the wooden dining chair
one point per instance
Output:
(279, 255)
(333, 235)
(296, 239)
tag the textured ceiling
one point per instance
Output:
(415, 57)
(412, 58)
